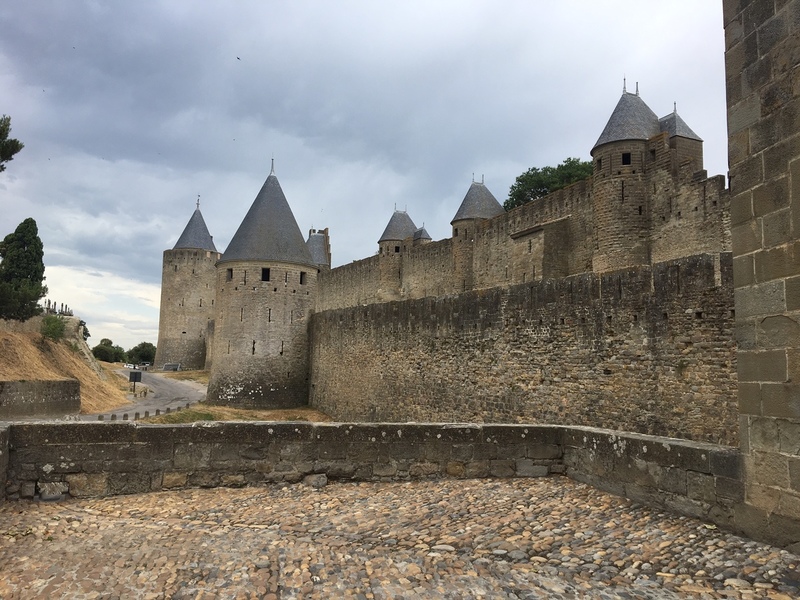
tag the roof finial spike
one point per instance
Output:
(481, 178)
(198, 201)
(675, 107)
(272, 168)
(624, 85)
(473, 177)
(637, 88)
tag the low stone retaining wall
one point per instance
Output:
(101, 459)
(39, 398)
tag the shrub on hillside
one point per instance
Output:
(53, 327)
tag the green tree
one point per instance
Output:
(144, 352)
(536, 183)
(53, 327)
(8, 147)
(21, 272)
(108, 352)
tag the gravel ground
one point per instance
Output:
(457, 539)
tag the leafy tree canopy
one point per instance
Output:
(108, 352)
(21, 272)
(8, 146)
(536, 183)
(144, 352)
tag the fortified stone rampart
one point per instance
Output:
(647, 350)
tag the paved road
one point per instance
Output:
(163, 393)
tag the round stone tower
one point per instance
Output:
(188, 280)
(479, 204)
(391, 248)
(620, 199)
(266, 282)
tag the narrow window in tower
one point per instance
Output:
(626, 158)
(599, 164)
(176, 267)
(640, 210)
(245, 277)
(241, 314)
(286, 277)
(623, 191)
(254, 347)
(229, 347)
(652, 154)
(455, 232)
(229, 274)
(397, 249)
(302, 277)
(264, 274)
(269, 315)
(281, 348)
(201, 302)
(530, 246)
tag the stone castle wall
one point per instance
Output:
(187, 305)
(39, 398)
(261, 334)
(648, 350)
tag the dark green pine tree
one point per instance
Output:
(21, 272)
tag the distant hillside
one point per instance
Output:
(25, 355)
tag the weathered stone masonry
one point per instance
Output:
(646, 349)
(102, 459)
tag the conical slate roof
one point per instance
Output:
(421, 234)
(479, 203)
(674, 125)
(195, 234)
(269, 231)
(632, 119)
(316, 245)
(399, 228)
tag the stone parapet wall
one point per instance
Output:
(105, 459)
(647, 350)
(39, 398)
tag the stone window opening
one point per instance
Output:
(626, 158)
(599, 164)
(286, 277)
(698, 314)
(254, 347)
(652, 154)
(530, 246)
(265, 274)
(455, 232)
(640, 210)
(176, 267)
(201, 302)
(229, 347)
(245, 277)
(302, 277)
(229, 274)
(281, 349)
(241, 314)
(396, 249)
(269, 315)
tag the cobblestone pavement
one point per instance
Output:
(514, 538)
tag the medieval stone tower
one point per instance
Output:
(188, 287)
(636, 158)
(265, 285)
(478, 205)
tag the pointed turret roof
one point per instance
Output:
(479, 203)
(674, 125)
(317, 248)
(195, 234)
(269, 231)
(400, 227)
(421, 234)
(632, 119)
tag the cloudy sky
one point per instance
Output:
(129, 110)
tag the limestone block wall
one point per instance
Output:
(39, 398)
(763, 96)
(187, 305)
(647, 350)
(261, 334)
(84, 459)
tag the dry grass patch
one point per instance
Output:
(207, 412)
(30, 357)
